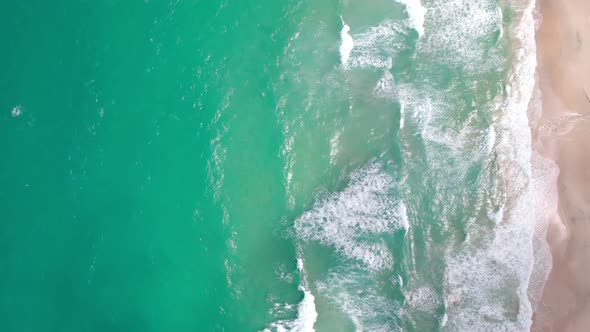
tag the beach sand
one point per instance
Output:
(563, 134)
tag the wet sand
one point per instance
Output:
(563, 134)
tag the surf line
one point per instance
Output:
(346, 45)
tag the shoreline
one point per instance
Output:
(559, 134)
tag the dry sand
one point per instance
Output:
(563, 134)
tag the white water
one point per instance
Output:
(416, 13)
(455, 30)
(361, 299)
(355, 224)
(306, 312)
(346, 220)
(347, 44)
(377, 46)
(16, 111)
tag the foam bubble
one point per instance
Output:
(16, 111)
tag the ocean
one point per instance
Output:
(333, 165)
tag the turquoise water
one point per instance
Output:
(242, 166)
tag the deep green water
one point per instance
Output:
(165, 164)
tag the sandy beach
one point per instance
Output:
(563, 48)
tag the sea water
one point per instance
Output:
(269, 166)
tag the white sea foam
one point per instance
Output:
(403, 214)
(452, 146)
(306, 311)
(416, 13)
(428, 112)
(376, 47)
(385, 86)
(358, 296)
(306, 316)
(334, 147)
(354, 221)
(423, 299)
(456, 29)
(300, 264)
(347, 44)
(490, 141)
(16, 111)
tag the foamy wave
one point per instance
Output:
(334, 147)
(345, 220)
(456, 30)
(385, 86)
(447, 142)
(358, 296)
(377, 47)
(423, 299)
(416, 13)
(306, 317)
(347, 44)
(306, 312)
